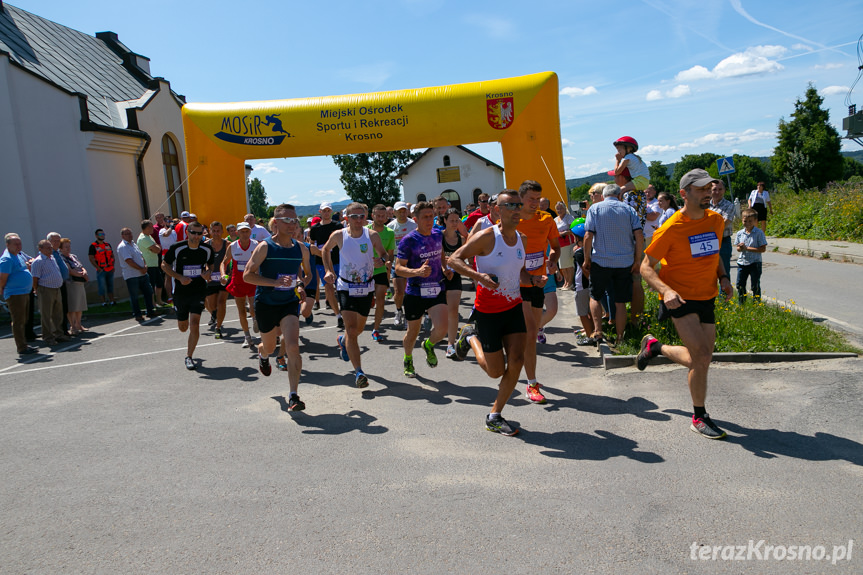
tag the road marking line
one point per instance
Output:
(108, 359)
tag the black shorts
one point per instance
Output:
(358, 304)
(616, 280)
(213, 289)
(381, 279)
(188, 303)
(415, 306)
(761, 210)
(156, 278)
(491, 327)
(534, 295)
(270, 316)
(704, 309)
(454, 284)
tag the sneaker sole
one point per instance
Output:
(640, 360)
(431, 359)
(362, 381)
(498, 431)
(695, 430)
(297, 407)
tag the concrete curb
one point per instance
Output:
(611, 361)
(836, 251)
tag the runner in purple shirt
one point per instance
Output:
(420, 259)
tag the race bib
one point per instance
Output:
(291, 285)
(192, 271)
(704, 245)
(359, 290)
(241, 266)
(216, 277)
(534, 261)
(429, 290)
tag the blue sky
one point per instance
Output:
(681, 77)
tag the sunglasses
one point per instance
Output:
(512, 206)
(288, 220)
(357, 216)
(191, 233)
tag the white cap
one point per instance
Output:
(326, 206)
(184, 215)
(400, 206)
(243, 226)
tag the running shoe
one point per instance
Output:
(295, 404)
(409, 367)
(361, 380)
(376, 335)
(426, 323)
(584, 340)
(390, 293)
(343, 351)
(282, 363)
(190, 363)
(462, 346)
(450, 352)
(340, 322)
(248, 342)
(310, 319)
(212, 322)
(534, 394)
(649, 349)
(317, 306)
(705, 426)
(399, 319)
(540, 336)
(255, 325)
(218, 333)
(264, 365)
(431, 358)
(499, 425)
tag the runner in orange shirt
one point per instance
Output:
(688, 247)
(539, 232)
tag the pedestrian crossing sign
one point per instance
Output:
(725, 165)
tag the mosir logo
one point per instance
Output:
(499, 110)
(253, 130)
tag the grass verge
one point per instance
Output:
(752, 327)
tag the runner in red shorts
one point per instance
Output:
(239, 252)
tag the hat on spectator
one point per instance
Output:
(697, 177)
(184, 215)
(326, 206)
(400, 206)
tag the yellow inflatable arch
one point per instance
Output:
(521, 113)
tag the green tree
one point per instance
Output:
(748, 172)
(851, 168)
(257, 198)
(579, 193)
(371, 178)
(807, 154)
(691, 162)
(659, 177)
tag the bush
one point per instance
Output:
(835, 213)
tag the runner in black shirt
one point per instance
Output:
(188, 263)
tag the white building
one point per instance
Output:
(88, 138)
(454, 172)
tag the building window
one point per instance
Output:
(453, 198)
(446, 161)
(173, 181)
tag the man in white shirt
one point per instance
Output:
(652, 212)
(259, 233)
(134, 271)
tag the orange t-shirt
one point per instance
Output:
(689, 252)
(539, 232)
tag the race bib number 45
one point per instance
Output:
(704, 245)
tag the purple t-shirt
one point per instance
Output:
(416, 249)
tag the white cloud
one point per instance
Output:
(830, 66)
(588, 169)
(716, 141)
(494, 27)
(753, 60)
(805, 47)
(565, 143)
(676, 92)
(266, 168)
(834, 90)
(324, 194)
(572, 91)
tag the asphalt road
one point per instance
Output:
(118, 460)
